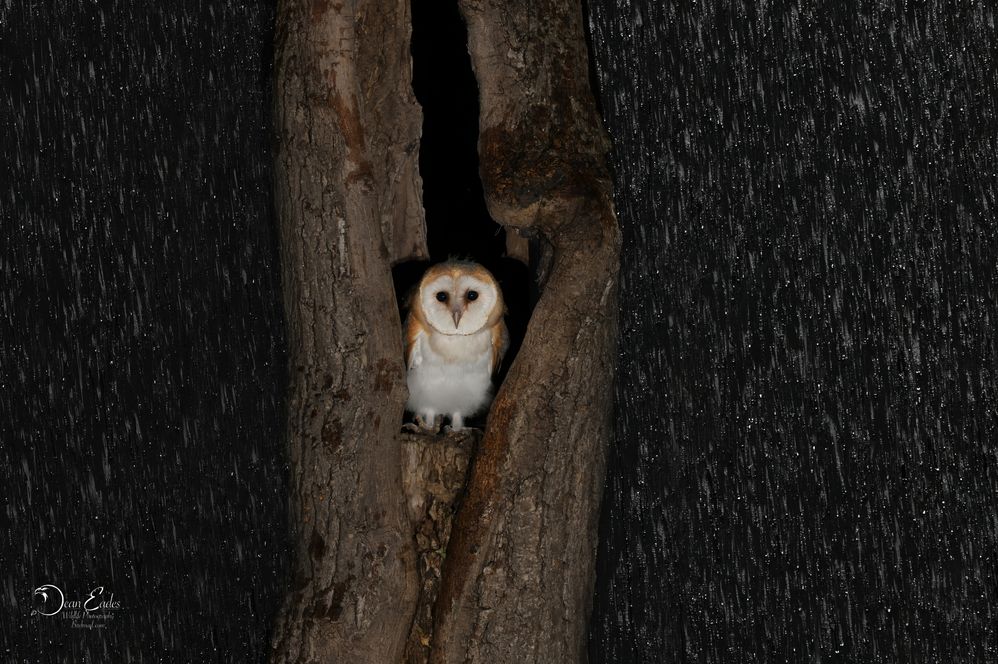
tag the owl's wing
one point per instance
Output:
(500, 344)
(415, 336)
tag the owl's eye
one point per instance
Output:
(442, 296)
(471, 295)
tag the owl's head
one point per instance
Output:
(459, 298)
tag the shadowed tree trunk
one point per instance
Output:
(516, 581)
(517, 584)
(348, 204)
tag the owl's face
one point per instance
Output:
(458, 298)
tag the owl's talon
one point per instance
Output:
(428, 424)
(456, 424)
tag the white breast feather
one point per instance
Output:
(450, 374)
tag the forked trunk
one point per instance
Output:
(516, 581)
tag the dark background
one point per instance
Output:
(805, 459)
(805, 466)
(142, 348)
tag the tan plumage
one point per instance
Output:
(455, 339)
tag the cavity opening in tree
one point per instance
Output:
(458, 223)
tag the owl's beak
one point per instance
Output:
(456, 313)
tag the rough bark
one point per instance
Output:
(348, 203)
(516, 582)
(518, 576)
(434, 474)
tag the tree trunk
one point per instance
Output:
(348, 204)
(516, 581)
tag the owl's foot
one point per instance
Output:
(456, 424)
(428, 422)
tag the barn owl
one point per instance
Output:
(455, 338)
